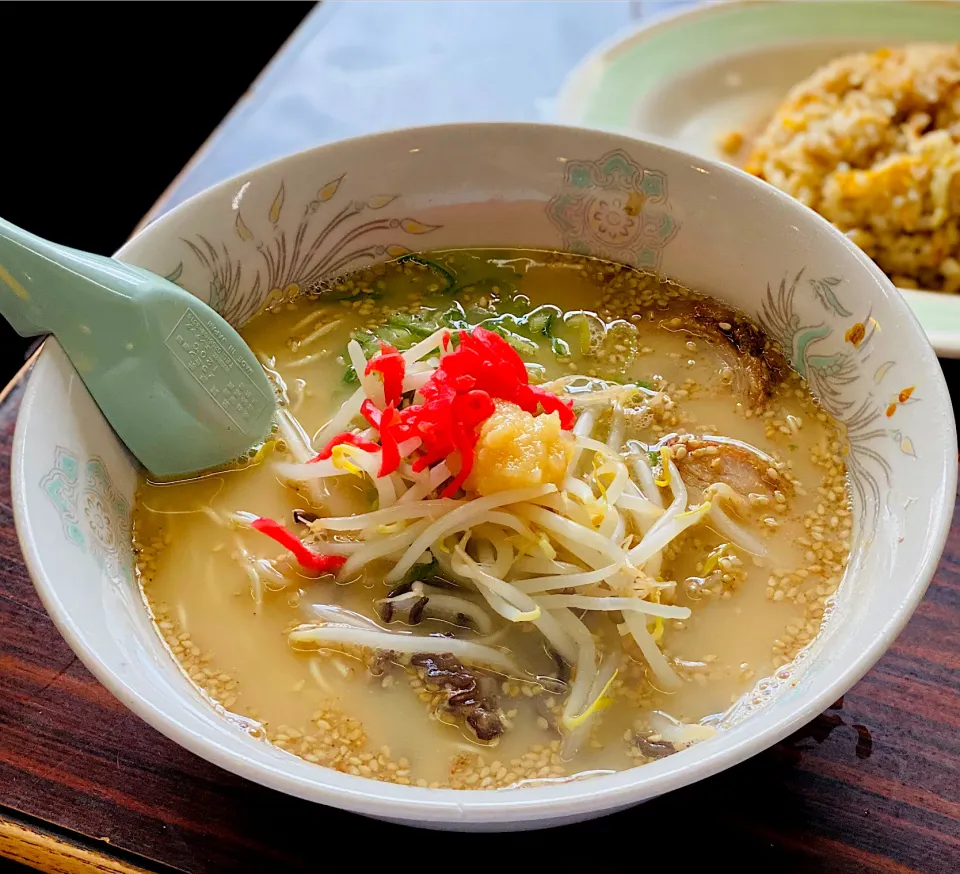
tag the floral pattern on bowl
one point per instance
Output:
(834, 371)
(614, 208)
(95, 516)
(330, 238)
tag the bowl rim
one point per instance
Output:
(575, 798)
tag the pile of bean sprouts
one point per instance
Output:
(548, 555)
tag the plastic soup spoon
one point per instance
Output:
(180, 387)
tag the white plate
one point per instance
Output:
(691, 77)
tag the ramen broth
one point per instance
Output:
(225, 597)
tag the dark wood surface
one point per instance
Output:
(872, 785)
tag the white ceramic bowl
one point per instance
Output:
(706, 225)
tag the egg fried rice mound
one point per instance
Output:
(871, 141)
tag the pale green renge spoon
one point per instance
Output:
(180, 387)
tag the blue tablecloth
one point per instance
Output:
(359, 66)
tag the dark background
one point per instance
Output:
(104, 103)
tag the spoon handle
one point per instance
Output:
(42, 285)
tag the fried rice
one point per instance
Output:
(871, 141)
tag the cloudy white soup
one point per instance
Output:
(497, 538)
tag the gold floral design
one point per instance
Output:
(326, 242)
(835, 372)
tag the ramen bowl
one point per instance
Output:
(257, 238)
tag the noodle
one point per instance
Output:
(509, 536)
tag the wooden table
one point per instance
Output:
(872, 785)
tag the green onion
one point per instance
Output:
(399, 338)
(521, 330)
(422, 571)
(369, 343)
(540, 321)
(517, 341)
(454, 318)
(439, 269)
(417, 326)
(580, 324)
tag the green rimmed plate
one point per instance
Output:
(691, 77)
